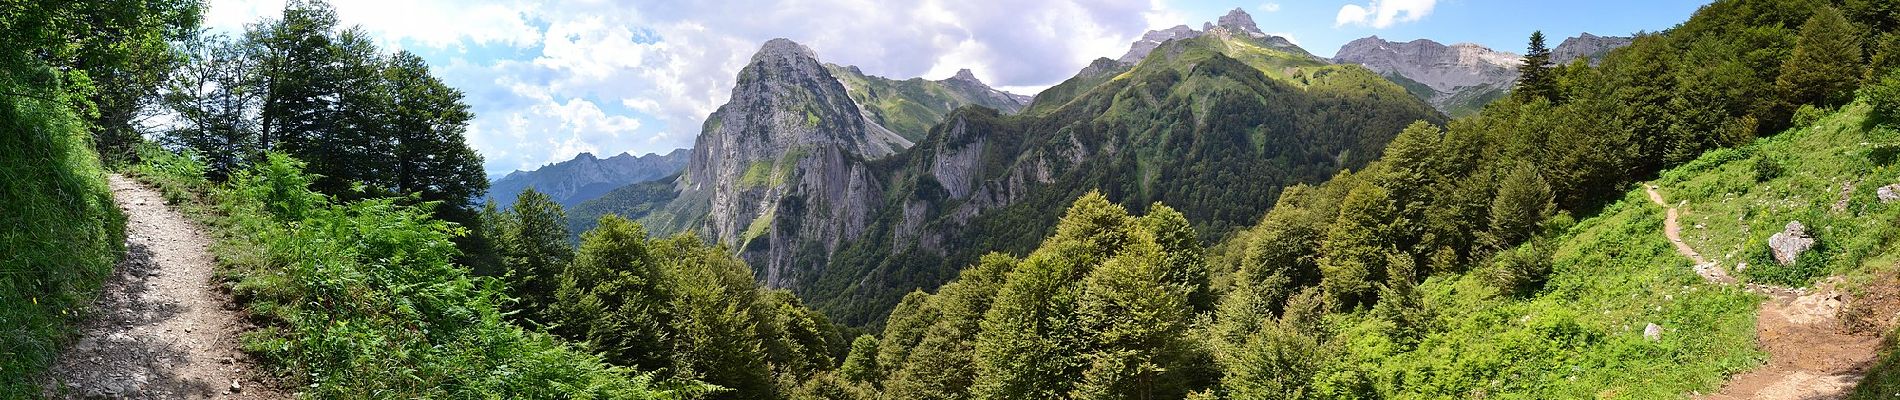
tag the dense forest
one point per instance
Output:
(1502, 254)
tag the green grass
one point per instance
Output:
(1581, 335)
(1729, 215)
(362, 300)
(59, 231)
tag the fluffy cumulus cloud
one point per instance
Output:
(549, 78)
(1383, 13)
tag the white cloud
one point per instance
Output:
(1270, 7)
(1380, 14)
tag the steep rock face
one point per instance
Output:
(784, 158)
(1445, 76)
(1588, 46)
(586, 177)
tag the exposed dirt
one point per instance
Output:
(161, 328)
(1812, 353)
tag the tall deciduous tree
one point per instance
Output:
(534, 249)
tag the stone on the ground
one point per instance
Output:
(1788, 244)
(1652, 332)
(1889, 193)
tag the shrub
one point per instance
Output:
(1767, 168)
(1809, 114)
(1884, 96)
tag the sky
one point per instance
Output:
(549, 79)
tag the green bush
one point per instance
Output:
(1767, 168)
(1808, 114)
(362, 300)
(59, 231)
(1884, 96)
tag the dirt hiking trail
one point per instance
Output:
(1812, 355)
(161, 327)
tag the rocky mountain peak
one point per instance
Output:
(1153, 39)
(786, 49)
(1239, 21)
(966, 76)
(1586, 46)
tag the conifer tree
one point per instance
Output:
(1535, 78)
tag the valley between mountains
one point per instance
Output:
(302, 209)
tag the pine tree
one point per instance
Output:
(1826, 64)
(1535, 79)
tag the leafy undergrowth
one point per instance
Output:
(59, 232)
(1580, 337)
(361, 299)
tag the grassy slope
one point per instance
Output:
(909, 107)
(1197, 114)
(1614, 273)
(59, 232)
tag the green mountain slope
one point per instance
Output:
(911, 106)
(1215, 126)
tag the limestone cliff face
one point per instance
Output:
(1447, 73)
(1588, 46)
(1459, 77)
(784, 158)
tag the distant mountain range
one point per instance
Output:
(1460, 78)
(586, 177)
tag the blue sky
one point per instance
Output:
(549, 79)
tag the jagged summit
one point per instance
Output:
(783, 48)
(1586, 46)
(1239, 21)
(1235, 23)
(966, 75)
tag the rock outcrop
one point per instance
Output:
(1790, 243)
(1888, 194)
